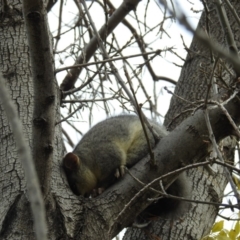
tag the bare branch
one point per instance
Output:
(116, 73)
(213, 140)
(90, 49)
(226, 28)
(108, 60)
(215, 47)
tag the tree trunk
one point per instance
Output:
(206, 185)
(72, 217)
(15, 218)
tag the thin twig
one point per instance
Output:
(233, 11)
(226, 28)
(157, 52)
(90, 100)
(215, 146)
(226, 165)
(115, 71)
(64, 119)
(139, 111)
(147, 186)
(205, 40)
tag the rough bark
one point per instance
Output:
(70, 217)
(16, 219)
(15, 66)
(192, 86)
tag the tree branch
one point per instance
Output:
(169, 156)
(89, 50)
(44, 89)
(227, 29)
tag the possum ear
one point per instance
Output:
(71, 161)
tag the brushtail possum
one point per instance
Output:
(105, 150)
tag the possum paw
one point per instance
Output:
(120, 171)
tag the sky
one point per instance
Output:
(164, 66)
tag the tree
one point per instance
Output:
(203, 111)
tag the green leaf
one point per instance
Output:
(237, 228)
(218, 226)
(224, 233)
(236, 181)
(232, 234)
